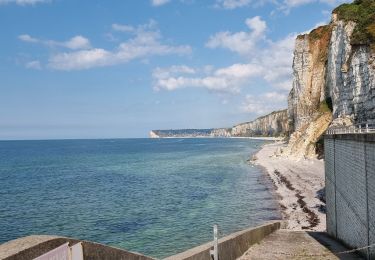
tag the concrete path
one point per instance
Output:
(287, 244)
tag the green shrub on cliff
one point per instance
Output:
(326, 105)
(363, 13)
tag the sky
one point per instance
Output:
(120, 68)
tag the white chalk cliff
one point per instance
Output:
(334, 80)
(351, 77)
(273, 124)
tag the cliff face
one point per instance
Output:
(334, 79)
(274, 124)
(221, 132)
(309, 71)
(351, 77)
(306, 118)
(153, 134)
(182, 133)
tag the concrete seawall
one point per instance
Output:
(33, 246)
(350, 193)
(232, 246)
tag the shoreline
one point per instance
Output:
(218, 137)
(297, 185)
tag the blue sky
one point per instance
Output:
(119, 68)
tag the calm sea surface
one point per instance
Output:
(154, 196)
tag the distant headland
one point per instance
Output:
(274, 124)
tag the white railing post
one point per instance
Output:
(216, 253)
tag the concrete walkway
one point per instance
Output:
(287, 244)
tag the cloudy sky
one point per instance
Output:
(119, 68)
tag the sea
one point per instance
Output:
(157, 197)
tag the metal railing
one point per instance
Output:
(354, 129)
(214, 253)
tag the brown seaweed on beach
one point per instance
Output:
(312, 217)
(284, 180)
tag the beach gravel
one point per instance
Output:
(299, 184)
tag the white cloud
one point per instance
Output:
(147, 42)
(239, 71)
(285, 5)
(257, 25)
(273, 58)
(122, 28)
(23, 2)
(232, 4)
(211, 83)
(294, 3)
(276, 97)
(229, 79)
(159, 2)
(35, 64)
(27, 38)
(163, 73)
(276, 59)
(264, 60)
(150, 26)
(240, 42)
(83, 59)
(74, 43)
(264, 103)
(77, 42)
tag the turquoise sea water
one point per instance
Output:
(154, 196)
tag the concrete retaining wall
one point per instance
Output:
(230, 247)
(350, 189)
(34, 246)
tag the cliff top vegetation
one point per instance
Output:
(363, 13)
(320, 37)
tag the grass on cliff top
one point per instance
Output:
(321, 36)
(321, 31)
(363, 13)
